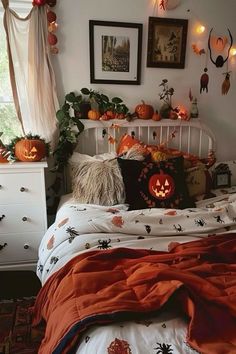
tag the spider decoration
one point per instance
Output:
(219, 220)
(104, 244)
(54, 260)
(40, 268)
(220, 61)
(72, 232)
(178, 228)
(164, 348)
(200, 222)
(148, 228)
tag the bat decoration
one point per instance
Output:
(219, 62)
(198, 51)
(226, 83)
(204, 81)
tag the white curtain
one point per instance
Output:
(31, 72)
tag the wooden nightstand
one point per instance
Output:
(23, 214)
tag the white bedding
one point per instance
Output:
(80, 228)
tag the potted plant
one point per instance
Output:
(166, 109)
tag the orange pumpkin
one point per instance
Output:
(156, 116)
(30, 150)
(144, 111)
(93, 114)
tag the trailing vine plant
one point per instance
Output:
(70, 127)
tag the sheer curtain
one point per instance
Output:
(31, 72)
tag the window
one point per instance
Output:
(9, 123)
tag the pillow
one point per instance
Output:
(161, 152)
(97, 180)
(155, 184)
(199, 181)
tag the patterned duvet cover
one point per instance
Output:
(81, 228)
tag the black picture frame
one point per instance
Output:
(119, 63)
(167, 38)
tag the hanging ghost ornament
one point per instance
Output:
(219, 61)
(204, 81)
(226, 83)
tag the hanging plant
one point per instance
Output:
(70, 127)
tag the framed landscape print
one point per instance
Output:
(166, 42)
(115, 52)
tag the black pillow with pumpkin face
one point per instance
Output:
(155, 184)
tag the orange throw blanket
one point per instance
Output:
(103, 286)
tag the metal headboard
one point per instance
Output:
(191, 136)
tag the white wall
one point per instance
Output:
(73, 71)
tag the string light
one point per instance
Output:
(200, 29)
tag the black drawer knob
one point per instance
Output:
(23, 189)
(26, 246)
(24, 218)
(2, 217)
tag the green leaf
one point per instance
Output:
(116, 100)
(60, 115)
(104, 98)
(85, 91)
(70, 97)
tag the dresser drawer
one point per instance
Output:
(19, 248)
(20, 187)
(21, 218)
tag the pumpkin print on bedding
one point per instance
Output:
(155, 184)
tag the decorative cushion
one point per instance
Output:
(161, 152)
(155, 185)
(97, 179)
(199, 181)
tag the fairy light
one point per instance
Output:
(232, 51)
(200, 29)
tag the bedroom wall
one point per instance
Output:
(73, 71)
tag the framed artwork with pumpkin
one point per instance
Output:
(115, 52)
(166, 42)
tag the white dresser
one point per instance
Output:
(23, 214)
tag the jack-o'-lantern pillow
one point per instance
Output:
(155, 184)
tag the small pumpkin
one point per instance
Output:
(173, 115)
(144, 111)
(93, 114)
(156, 116)
(30, 150)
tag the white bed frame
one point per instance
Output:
(191, 136)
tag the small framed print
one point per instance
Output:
(115, 52)
(166, 42)
(221, 176)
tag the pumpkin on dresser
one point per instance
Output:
(144, 111)
(29, 148)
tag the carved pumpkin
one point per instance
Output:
(144, 111)
(161, 186)
(93, 114)
(30, 150)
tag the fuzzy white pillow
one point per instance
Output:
(96, 180)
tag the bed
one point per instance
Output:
(142, 260)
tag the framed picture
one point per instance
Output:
(115, 52)
(166, 42)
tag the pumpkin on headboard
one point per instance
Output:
(144, 111)
(30, 150)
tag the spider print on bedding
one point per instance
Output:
(163, 348)
(104, 244)
(200, 222)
